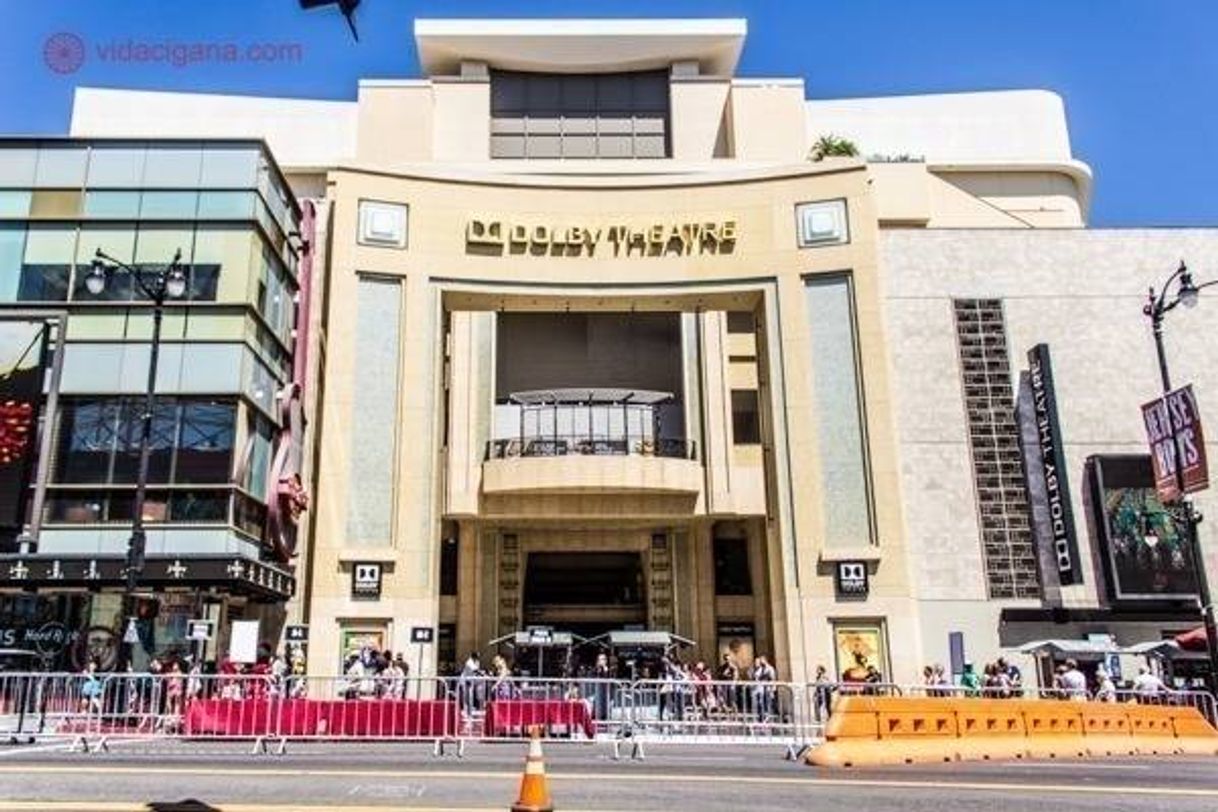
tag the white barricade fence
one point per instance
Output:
(84, 707)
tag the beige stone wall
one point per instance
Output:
(763, 272)
(1081, 292)
(913, 194)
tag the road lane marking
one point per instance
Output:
(1065, 765)
(662, 778)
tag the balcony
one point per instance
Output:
(589, 441)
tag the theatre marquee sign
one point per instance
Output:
(498, 237)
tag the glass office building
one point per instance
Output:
(226, 362)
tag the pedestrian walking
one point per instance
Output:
(970, 681)
(1147, 686)
(1105, 690)
(467, 683)
(822, 693)
(763, 693)
(1074, 682)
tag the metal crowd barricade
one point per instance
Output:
(92, 711)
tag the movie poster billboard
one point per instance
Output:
(1147, 554)
(22, 351)
(737, 642)
(1173, 429)
(862, 652)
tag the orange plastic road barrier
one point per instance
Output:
(1106, 730)
(534, 788)
(865, 731)
(1194, 735)
(1151, 726)
(1054, 728)
(868, 731)
(990, 729)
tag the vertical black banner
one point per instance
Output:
(22, 355)
(1053, 466)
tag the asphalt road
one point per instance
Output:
(357, 778)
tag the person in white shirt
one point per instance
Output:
(1073, 682)
(1148, 686)
(1106, 689)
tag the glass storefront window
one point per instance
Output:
(55, 203)
(12, 250)
(198, 506)
(236, 167)
(161, 441)
(226, 205)
(116, 241)
(47, 264)
(249, 516)
(76, 507)
(156, 245)
(17, 167)
(274, 300)
(259, 385)
(116, 166)
(99, 439)
(205, 447)
(173, 167)
(232, 251)
(86, 441)
(14, 202)
(261, 439)
(124, 205)
(169, 205)
(204, 283)
(62, 167)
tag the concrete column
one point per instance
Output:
(717, 413)
(469, 589)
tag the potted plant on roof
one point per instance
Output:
(832, 146)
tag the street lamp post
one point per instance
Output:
(1158, 305)
(158, 285)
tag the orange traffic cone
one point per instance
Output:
(534, 789)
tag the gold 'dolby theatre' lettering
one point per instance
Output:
(497, 237)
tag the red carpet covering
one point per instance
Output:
(381, 718)
(513, 717)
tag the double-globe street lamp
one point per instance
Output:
(158, 285)
(1185, 292)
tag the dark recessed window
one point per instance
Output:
(448, 566)
(746, 427)
(740, 321)
(732, 567)
(617, 115)
(99, 441)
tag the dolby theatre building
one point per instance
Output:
(604, 347)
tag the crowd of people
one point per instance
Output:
(678, 690)
(372, 674)
(1003, 680)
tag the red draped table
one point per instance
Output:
(513, 717)
(378, 718)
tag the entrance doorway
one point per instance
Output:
(585, 593)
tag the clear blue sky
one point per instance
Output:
(1138, 77)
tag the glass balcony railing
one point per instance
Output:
(589, 422)
(584, 445)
